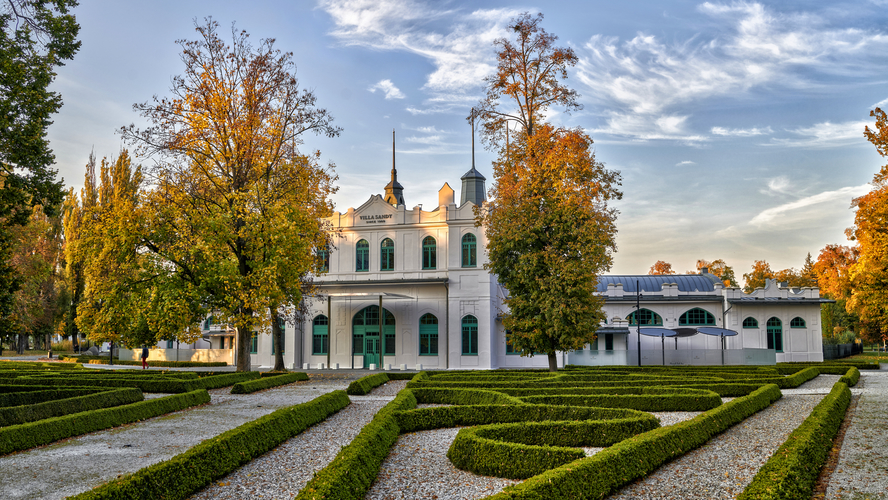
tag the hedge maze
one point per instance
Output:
(527, 425)
(532, 425)
(44, 402)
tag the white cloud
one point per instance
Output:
(459, 44)
(883, 102)
(741, 132)
(643, 127)
(686, 162)
(754, 47)
(778, 185)
(826, 134)
(791, 210)
(391, 92)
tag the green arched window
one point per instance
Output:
(387, 255)
(429, 253)
(469, 336)
(428, 335)
(775, 334)
(645, 317)
(750, 322)
(320, 337)
(366, 323)
(254, 343)
(797, 322)
(362, 256)
(469, 251)
(696, 317)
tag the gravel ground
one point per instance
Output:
(75, 465)
(283, 471)
(862, 470)
(727, 463)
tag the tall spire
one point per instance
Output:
(473, 182)
(394, 191)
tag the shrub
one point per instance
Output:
(188, 472)
(267, 382)
(30, 395)
(851, 377)
(792, 471)
(366, 384)
(29, 435)
(79, 403)
(644, 402)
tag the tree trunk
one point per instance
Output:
(278, 338)
(244, 333)
(553, 362)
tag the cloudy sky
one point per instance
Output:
(737, 126)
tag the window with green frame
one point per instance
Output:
(367, 320)
(428, 335)
(470, 336)
(797, 322)
(169, 344)
(387, 255)
(324, 259)
(696, 317)
(750, 322)
(646, 317)
(362, 256)
(775, 334)
(254, 343)
(320, 339)
(469, 251)
(429, 253)
(510, 350)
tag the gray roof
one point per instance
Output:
(654, 283)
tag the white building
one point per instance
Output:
(442, 309)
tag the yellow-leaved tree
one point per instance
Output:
(549, 227)
(228, 218)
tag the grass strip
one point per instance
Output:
(791, 473)
(186, 473)
(26, 436)
(16, 415)
(606, 471)
(267, 382)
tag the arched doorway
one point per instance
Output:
(366, 339)
(775, 334)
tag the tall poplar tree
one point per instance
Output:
(233, 215)
(550, 230)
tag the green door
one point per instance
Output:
(371, 349)
(775, 334)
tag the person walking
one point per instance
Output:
(144, 357)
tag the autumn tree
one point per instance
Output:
(758, 277)
(661, 267)
(549, 227)
(36, 36)
(719, 268)
(233, 215)
(868, 275)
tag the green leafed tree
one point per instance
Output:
(35, 38)
(231, 218)
(549, 228)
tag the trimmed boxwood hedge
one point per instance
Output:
(525, 449)
(366, 384)
(267, 382)
(636, 457)
(654, 402)
(168, 382)
(851, 377)
(32, 412)
(791, 473)
(25, 436)
(103, 360)
(188, 472)
(31, 395)
(353, 470)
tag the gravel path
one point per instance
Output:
(862, 470)
(283, 471)
(724, 466)
(75, 465)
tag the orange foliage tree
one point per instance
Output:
(661, 267)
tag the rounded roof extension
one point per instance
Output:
(654, 283)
